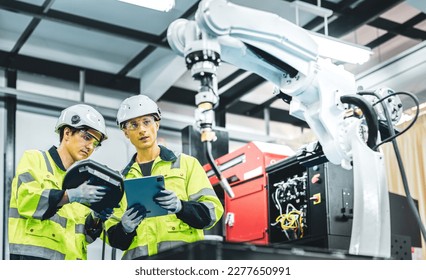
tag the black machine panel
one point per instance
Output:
(402, 220)
(313, 202)
(315, 205)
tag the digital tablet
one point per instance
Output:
(142, 191)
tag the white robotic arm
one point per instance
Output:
(286, 55)
(277, 50)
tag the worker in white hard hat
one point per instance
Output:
(189, 197)
(45, 220)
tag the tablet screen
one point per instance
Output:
(142, 191)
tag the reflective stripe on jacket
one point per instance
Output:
(185, 176)
(36, 230)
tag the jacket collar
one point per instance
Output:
(56, 158)
(165, 155)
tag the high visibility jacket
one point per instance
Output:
(36, 226)
(183, 175)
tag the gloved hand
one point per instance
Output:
(133, 217)
(169, 201)
(86, 194)
(103, 215)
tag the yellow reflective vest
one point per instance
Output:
(35, 227)
(186, 177)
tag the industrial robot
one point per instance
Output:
(319, 92)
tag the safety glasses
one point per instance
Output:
(88, 137)
(136, 124)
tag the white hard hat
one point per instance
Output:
(137, 106)
(82, 115)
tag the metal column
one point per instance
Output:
(9, 152)
(9, 162)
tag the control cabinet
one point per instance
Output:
(311, 206)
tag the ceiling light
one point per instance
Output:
(340, 50)
(159, 5)
(331, 47)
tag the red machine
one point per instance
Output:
(246, 215)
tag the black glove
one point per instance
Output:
(103, 215)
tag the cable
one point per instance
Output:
(393, 135)
(403, 175)
(292, 219)
(223, 182)
(103, 244)
(278, 204)
(369, 114)
(398, 155)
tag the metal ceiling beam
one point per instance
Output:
(160, 72)
(41, 103)
(380, 40)
(338, 9)
(262, 106)
(277, 115)
(51, 106)
(67, 72)
(347, 9)
(83, 22)
(228, 99)
(191, 11)
(187, 97)
(351, 14)
(405, 29)
(135, 61)
(86, 23)
(232, 96)
(148, 50)
(44, 12)
(220, 116)
(230, 78)
(30, 28)
(359, 15)
(180, 96)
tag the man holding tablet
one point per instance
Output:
(188, 196)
